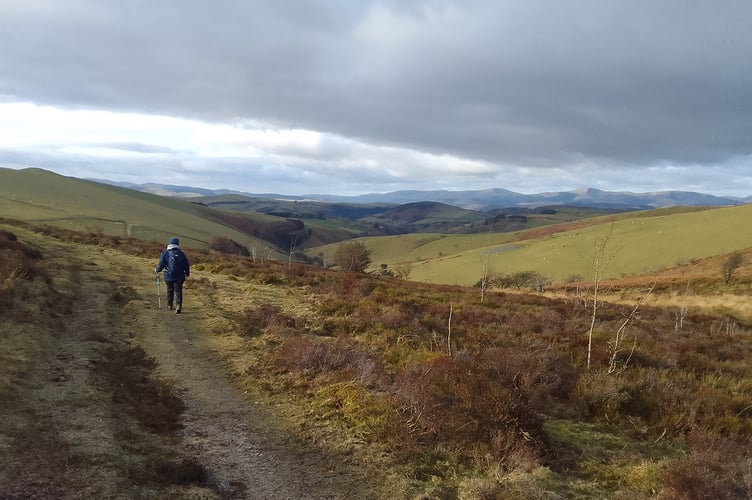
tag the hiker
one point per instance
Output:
(176, 270)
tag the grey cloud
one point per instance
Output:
(216, 173)
(542, 83)
(80, 165)
(301, 179)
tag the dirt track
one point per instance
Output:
(65, 434)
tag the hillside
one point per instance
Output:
(299, 209)
(333, 222)
(40, 196)
(293, 381)
(641, 242)
(424, 216)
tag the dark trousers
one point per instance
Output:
(174, 290)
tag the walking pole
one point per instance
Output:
(159, 293)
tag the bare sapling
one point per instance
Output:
(601, 259)
(293, 247)
(579, 292)
(730, 326)
(449, 330)
(484, 281)
(617, 345)
(682, 313)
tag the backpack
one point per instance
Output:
(176, 262)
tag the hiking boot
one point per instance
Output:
(169, 306)
(178, 309)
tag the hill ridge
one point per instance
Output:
(480, 199)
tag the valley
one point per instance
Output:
(626, 374)
(291, 381)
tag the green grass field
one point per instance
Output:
(640, 242)
(42, 197)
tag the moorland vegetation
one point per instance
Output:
(495, 394)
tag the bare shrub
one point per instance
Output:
(338, 326)
(18, 263)
(395, 320)
(662, 402)
(599, 395)
(341, 356)
(255, 320)
(19, 260)
(511, 452)
(352, 256)
(651, 397)
(227, 245)
(730, 265)
(522, 279)
(403, 269)
(716, 467)
(466, 405)
(553, 384)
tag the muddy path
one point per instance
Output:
(68, 431)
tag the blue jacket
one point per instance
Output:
(175, 264)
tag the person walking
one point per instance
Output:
(176, 269)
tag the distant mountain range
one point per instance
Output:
(484, 200)
(489, 199)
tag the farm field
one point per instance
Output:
(638, 243)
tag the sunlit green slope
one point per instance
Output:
(638, 242)
(39, 196)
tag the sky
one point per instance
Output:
(363, 96)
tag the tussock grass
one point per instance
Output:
(28, 305)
